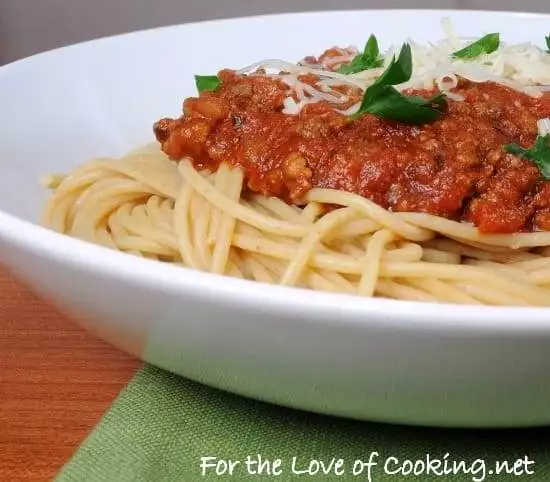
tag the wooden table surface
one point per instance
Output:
(56, 381)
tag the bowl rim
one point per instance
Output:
(268, 16)
(285, 301)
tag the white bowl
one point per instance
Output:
(372, 359)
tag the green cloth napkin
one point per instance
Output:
(161, 425)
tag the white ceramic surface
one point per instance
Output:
(370, 359)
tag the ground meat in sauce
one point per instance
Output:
(454, 167)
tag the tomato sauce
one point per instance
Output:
(455, 167)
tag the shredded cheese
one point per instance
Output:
(523, 67)
(544, 127)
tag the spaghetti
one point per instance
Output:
(183, 207)
(147, 205)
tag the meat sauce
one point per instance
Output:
(455, 167)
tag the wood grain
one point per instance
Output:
(56, 381)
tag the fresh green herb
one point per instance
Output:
(485, 45)
(207, 82)
(548, 43)
(399, 70)
(539, 154)
(369, 59)
(390, 104)
(383, 100)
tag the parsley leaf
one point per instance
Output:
(369, 59)
(207, 82)
(548, 43)
(383, 100)
(539, 154)
(399, 70)
(485, 45)
(389, 103)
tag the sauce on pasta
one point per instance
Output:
(454, 167)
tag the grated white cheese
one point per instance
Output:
(544, 127)
(524, 67)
